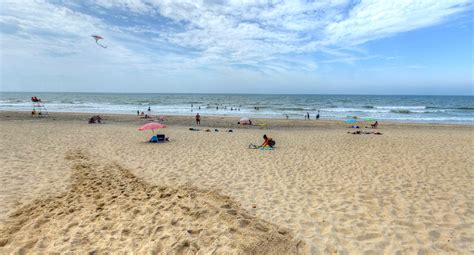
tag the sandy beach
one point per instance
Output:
(66, 185)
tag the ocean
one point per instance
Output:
(418, 109)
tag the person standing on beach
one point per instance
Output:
(317, 116)
(198, 119)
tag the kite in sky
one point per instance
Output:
(97, 38)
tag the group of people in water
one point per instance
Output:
(307, 116)
(232, 108)
(147, 115)
(143, 114)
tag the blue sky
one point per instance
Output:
(218, 46)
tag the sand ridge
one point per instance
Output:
(108, 209)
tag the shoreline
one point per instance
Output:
(421, 109)
(218, 121)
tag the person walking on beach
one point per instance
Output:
(307, 115)
(198, 119)
(317, 116)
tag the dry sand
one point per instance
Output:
(409, 190)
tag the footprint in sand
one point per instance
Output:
(368, 236)
(109, 210)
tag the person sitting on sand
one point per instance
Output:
(375, 125)
(267, 142)
(94, 119)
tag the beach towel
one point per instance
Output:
(264, 148)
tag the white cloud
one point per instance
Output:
(266, 36)
(375, 19)
(247, 31)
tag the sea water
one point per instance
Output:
(420, 109)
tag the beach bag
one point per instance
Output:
(153, 139)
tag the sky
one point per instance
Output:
(238, 46)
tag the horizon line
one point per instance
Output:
(220, 93)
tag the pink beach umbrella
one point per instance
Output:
(152, 126)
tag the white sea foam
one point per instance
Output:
(412, 109)
(400, 107)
